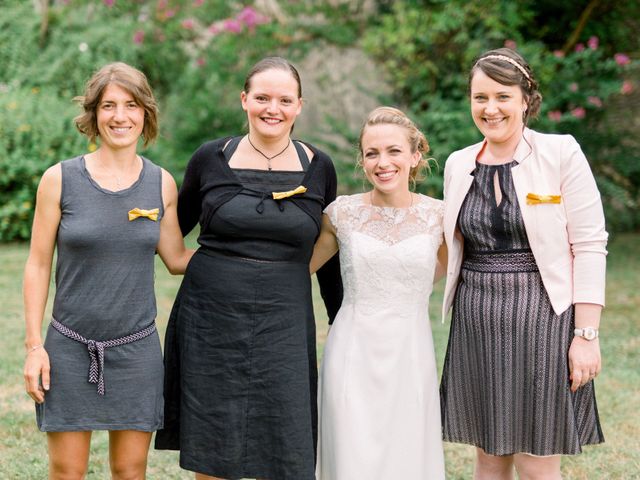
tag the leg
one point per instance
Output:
(492, 467)
(68, 455)
(128, 451)
(530, 467)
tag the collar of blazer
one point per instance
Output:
(458, 189)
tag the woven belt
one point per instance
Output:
(96, 349)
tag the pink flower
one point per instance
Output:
(197, 3)
(579, 47)
(187, 23)
(593, 43)
(138, 37)
(579, 112)
(109, 3)
(573, 87)
(627, 87)
(170, 13)
(232, 26)
(558, 53)
(555, 115)
(162, 4)
(200, 62)
(622, 59)
(595, 101)
(510, 44)
(251, 18)
(216, 28)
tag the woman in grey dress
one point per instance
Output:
(107, 213)
(525, 233)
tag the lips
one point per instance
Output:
(271, 120)
(386, 175)
(493, 121)
(120, 130)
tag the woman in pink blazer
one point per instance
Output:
(526, 236)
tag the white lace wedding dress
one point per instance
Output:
(378, 398)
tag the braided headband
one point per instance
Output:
(510, 60)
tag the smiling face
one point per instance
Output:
(120, 118)
(387, 158)
(497, 109)
(272, 103)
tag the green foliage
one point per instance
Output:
(428, 48)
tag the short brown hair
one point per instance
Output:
(506, 73)
(127, 77)
(273, 63)
(417, 140)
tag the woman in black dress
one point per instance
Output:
(240, 359)
(526, 239)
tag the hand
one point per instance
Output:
(584, 361)
(36, 367)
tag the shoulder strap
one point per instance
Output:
(231, 147)
(302, 154)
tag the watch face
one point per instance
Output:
(589, 333)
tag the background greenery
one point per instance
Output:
(197, 52)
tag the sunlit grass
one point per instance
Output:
(23, 447)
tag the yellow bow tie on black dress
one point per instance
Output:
(289, 193)
(534, 199)
(139, 212)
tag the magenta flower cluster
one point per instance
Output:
(247, 18)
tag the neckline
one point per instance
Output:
(124, 191)
(307, 173)
(496, 165)
(413, 206)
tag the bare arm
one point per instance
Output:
(171, 244)
(37, 275)
(326, 246)
(441, 265)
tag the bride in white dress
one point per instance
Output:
(378, 400)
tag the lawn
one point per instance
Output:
(23, 447)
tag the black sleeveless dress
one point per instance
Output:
(505, 382)
(240, 398)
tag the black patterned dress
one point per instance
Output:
(505, 383)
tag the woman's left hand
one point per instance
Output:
(585, 362)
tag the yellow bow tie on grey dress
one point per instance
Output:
(139, 212)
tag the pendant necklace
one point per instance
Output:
(265, 156)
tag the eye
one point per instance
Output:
(287, 101)
(504, 96)
(107, 106)
(132, 105)
(261, 98)
(479, 98)
(370, 154)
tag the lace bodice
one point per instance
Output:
(387, 255)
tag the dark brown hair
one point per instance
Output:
(127, 77)
(506, 73)
(417, 140)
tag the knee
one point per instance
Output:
(492, 466)
(538, 468)
(128, 470)
(61, 470)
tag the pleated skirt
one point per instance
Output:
(238, 398)
(505, 385)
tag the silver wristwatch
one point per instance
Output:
(588, 333)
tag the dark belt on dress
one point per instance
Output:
(96, 349)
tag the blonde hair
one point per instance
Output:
(133, 81)
(417, 140)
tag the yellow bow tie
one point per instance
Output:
(534, 198)
(139, 212)
(290, 193)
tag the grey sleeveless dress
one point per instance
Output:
(104, 290)
(505, 381)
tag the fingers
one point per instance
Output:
(32, 386)
(37, 377)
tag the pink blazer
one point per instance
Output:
(568, 239)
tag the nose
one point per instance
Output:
(119, 112)
(383, 160)
(491, 106)
(273, 105)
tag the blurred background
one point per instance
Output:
(352, 56)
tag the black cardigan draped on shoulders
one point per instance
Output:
(209, 182)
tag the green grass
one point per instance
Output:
(23, 448)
